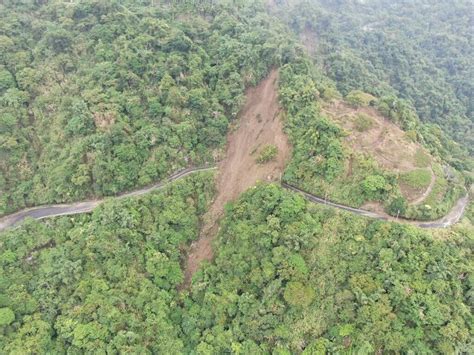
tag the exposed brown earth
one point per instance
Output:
(384, 141)
(259, 125)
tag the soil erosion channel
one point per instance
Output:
(258, 126)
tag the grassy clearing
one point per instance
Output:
(439, 190)
(417, 179)
(440, 200)
(422, 160)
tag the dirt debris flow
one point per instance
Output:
(258, 125)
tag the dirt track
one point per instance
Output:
(259, 125)
(428, 190)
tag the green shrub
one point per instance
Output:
(363, 122)
(330, 93)
(360, 98)
(374, 186)
(267, 154)
(397, 206)
(6, 316)
(297, 294)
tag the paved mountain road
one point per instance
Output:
(86, 206)
(451, 218)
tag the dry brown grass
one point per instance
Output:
(390, 146)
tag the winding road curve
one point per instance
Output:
(451, 218)
(41, 212)
(86, 206)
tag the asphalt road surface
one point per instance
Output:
(86, 206)
(451, 218)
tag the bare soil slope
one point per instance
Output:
(259, 125)
(384, 141)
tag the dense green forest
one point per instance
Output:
(106, 282)
(98, 97)
(100, 282)
(418, 50)
(102, 97)
(275, 283)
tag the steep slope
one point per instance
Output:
(97, 98)
(369, 132)
(258, 126)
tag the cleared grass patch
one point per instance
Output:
(440, 188)
(417, 179)
(422, 160)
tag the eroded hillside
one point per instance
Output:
(258, 126)
(368, 132)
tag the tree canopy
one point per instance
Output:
(98, 97)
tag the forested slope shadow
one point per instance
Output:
(257, 129)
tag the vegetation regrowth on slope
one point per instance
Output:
(334, 160)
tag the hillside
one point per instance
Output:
(418, 51)
(258, 126)
(236, 177)
(420, 178)
(351, 165)
(99, 98)
(287, 275)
